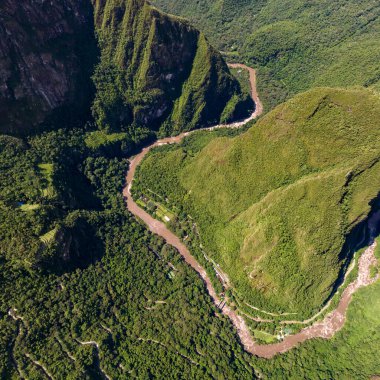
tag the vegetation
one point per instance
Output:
(295, 44)
(47, 171)
(87, 292)
(148, 319)
(99, 138)
(158, 72)
(243, 77)
(75, 270)
(351, 353)
(275, 205)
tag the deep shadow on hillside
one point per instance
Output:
(357, 239)
(48, 52)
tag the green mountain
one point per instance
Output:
(295, 44)
(86, 291)
(280, 206)
(158, 71)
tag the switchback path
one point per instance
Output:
(332, 323)
(96, 345)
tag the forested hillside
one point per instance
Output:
(275, 205)
(295, 44)
(158, 71)
(76, 267)
(146, 310)
(275, 211)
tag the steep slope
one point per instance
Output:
(225, 22)
(275, 205)
(153, 69)
(44, 68)
(157, 70)
(295, 44)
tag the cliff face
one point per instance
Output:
(157, 70)
(47, 52)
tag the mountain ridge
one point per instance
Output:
(165, 73)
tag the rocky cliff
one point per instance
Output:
(47, 52)
(154, 70)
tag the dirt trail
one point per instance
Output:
(65, 350)
(95, 344)
(267, 312)
(40, 365)
(332, 323)
(13, 314)
(20, 332)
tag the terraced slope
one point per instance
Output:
(276, 205)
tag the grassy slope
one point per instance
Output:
(274, 204)
(156, 70)
(295, 44)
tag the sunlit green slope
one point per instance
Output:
(274, 206)
(158, 71)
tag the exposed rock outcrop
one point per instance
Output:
(47, 52)
(155, 70)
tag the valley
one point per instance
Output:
(189, 189)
